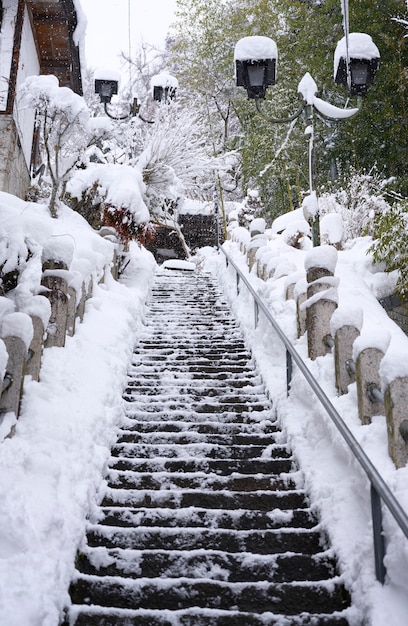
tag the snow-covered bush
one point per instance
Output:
(391, 243)
(62, 119)
(251, 208)
(358, 202)
(111, 195)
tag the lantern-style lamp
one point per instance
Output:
(363, 57)
(106, 84)
(255, 64)
(164, 87)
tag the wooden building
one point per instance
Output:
(36, 37)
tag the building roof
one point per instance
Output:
(54, 23)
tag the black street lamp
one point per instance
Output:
(356, 60)
(355, 63)
(106, 86)
(164, 87)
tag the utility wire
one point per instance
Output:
(345, 11)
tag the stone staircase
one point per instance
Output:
(204, 520)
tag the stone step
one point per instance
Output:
(211, 451)
(160, 404)
(181, 499)
(176, 594)
(234, 381)
(139, 388)
(190, 438)
(196, 480)
(304, 541)
(223, 467)
(214, 564)
(101, 616)
(139, 414)
(205, 428)
(240, 519)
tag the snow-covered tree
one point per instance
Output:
(359, 200)
(62, 119)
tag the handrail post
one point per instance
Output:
(379, 543)
(256, 312)
(289, 371)
(237, 279)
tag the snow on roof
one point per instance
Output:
(255, 48)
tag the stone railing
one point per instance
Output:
(36, 322)
(361, 353)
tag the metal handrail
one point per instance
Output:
(380, 492)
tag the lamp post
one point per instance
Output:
(355, 63)
(164, 89)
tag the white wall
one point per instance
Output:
(6, 48)
(28, 66)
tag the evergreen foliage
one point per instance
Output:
(391, 244)
(274, 158)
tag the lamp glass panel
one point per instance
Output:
(256, 75)
(359, 73)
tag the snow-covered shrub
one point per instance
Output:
(391, 243)
(250, 209)
(111, 195)
(358, 202)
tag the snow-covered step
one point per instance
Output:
(259, 500)
(221, 467)
(182, 593)
(244, 519)
(204, 520)
(234, 567)
(101, 616)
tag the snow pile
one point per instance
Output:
(52, 468)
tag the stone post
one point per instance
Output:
(17, 333)
(369, 395)
(57, 293)
(321, 299)
(299, 293)
(33, 362)
(258, 239)
(396, 411)
(344, 366)
(71, 311)
(345, 324)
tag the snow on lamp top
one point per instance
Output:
(361, 46)
(164, 87)
(356, 66)
(164, 80)
(255, 60)
(103, 73)
(255, 48)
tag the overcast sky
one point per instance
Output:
(108, 27)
